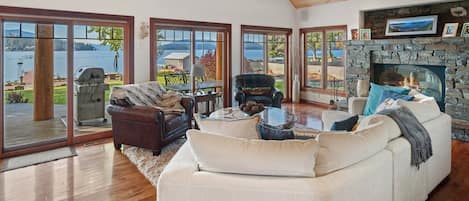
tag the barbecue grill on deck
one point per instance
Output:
(89, 95)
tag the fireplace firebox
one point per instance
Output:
(427, 79)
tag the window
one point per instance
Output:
(177, 44)
(323, 58)
(266, 50)
(41, 53)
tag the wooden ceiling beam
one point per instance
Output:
(309, 3)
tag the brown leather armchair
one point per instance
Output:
(148, 127)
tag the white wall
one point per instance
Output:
(278, 13)
(345, 13)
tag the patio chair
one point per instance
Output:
(175, 78)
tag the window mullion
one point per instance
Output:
(266, 57)
(324, 59)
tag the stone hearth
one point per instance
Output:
(450, 52)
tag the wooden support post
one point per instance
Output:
(44, 74)
(219, 57)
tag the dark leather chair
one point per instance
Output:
(259, 88)
(148, 127)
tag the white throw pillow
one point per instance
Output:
(425, 110)
(342, 150)
(388, 123)
(222, 154)
(243, 128)
(419, 97)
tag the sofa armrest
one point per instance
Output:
(188, 103)
(277, 99)
(240, 97)
(136, 113)
(357, 105)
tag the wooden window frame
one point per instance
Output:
(70, 18)
(303, 52)
(164, 23)
(272, 30)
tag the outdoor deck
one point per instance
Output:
(20, 129)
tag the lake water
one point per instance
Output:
(98, 58)
(103, 59)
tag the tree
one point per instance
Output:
(276, 45)
(209, 61)
(313, 40)
(112, 37)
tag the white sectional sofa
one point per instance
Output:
(386, 175)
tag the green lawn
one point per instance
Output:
(280, 85)
(60, 95)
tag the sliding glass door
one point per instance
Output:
(34, 83)
(48, 100)
(177, 45)
(96, 49)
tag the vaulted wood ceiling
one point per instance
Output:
(308, 3)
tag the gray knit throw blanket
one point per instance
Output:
(414, 132)
(147, 94)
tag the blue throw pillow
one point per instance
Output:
(393, 95)
(375, 96)
(345, 125)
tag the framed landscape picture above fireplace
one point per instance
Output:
(412, 26)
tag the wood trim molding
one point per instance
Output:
(62, 13)
(155, 23)
(264, 29)
(315, 103)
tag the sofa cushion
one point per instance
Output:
(388, 124)
(223, 154)
(342, 150)
(258, 91)
(242, 128)
(425, 110)
(375, 95)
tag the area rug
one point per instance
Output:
(36, 158)
(152, 166)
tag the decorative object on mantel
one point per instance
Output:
(354, 34)
(365, 34)
(450, 30)
(412, 26)
(465, 30)
(458, 11)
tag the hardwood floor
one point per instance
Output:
(97, 173)
(101, 173)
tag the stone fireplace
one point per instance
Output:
(427, 58)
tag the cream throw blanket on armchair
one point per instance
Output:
(147, 94)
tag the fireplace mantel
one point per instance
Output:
(450, 52)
